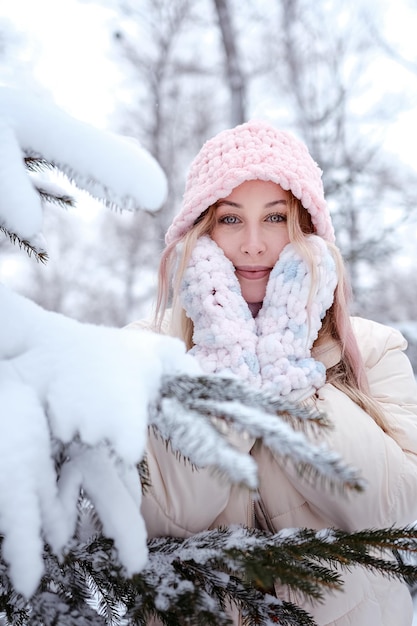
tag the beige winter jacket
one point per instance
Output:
(182, 501)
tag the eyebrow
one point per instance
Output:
(236, 205)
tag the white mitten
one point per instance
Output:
(289, 321)
(224, 329)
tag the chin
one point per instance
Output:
(254, 296)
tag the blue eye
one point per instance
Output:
(276, 218)
(229, 219)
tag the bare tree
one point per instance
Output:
(325, 61)
(175, 83)
(175, 107)
(235, 77)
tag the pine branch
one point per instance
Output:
(39, 254)
(190, 390)
(49, 192)
(195, 592)
(97, 189)
(62, 200)
(12, 606)
(295, 553)
(73, 153)
(192, 581)
(228, 405)
(36, 163)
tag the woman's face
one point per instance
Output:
(251, 229)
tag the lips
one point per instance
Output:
(252, 273)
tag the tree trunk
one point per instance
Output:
(234, 74)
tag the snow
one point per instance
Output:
(73, 391)
(111, 167)
(84, 390)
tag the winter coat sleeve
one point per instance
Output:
(391, 380)
(387, 462)
(181, 500)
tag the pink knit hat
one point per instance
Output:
(254, 150)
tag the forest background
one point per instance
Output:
(171, 73)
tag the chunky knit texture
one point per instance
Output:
(255, 150)
(273, 350)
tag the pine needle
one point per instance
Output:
(40, 255)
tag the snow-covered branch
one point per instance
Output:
(112, 168)
(190, 581)
(88, 388)
(234, 409)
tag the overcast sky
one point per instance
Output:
(70, 45)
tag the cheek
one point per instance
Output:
(224, 242)
(277, 245)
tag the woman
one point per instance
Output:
(259, 290)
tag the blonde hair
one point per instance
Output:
(348, 375)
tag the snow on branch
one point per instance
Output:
(192, 580)
(114, 169)
(234, 408)
(264, 559)
(75, 396)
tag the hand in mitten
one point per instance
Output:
(290, 319)
(224, 329)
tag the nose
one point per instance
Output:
(253, 243)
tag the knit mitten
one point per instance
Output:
(224, 329)
(290, 319)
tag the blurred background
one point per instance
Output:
(171, 73)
